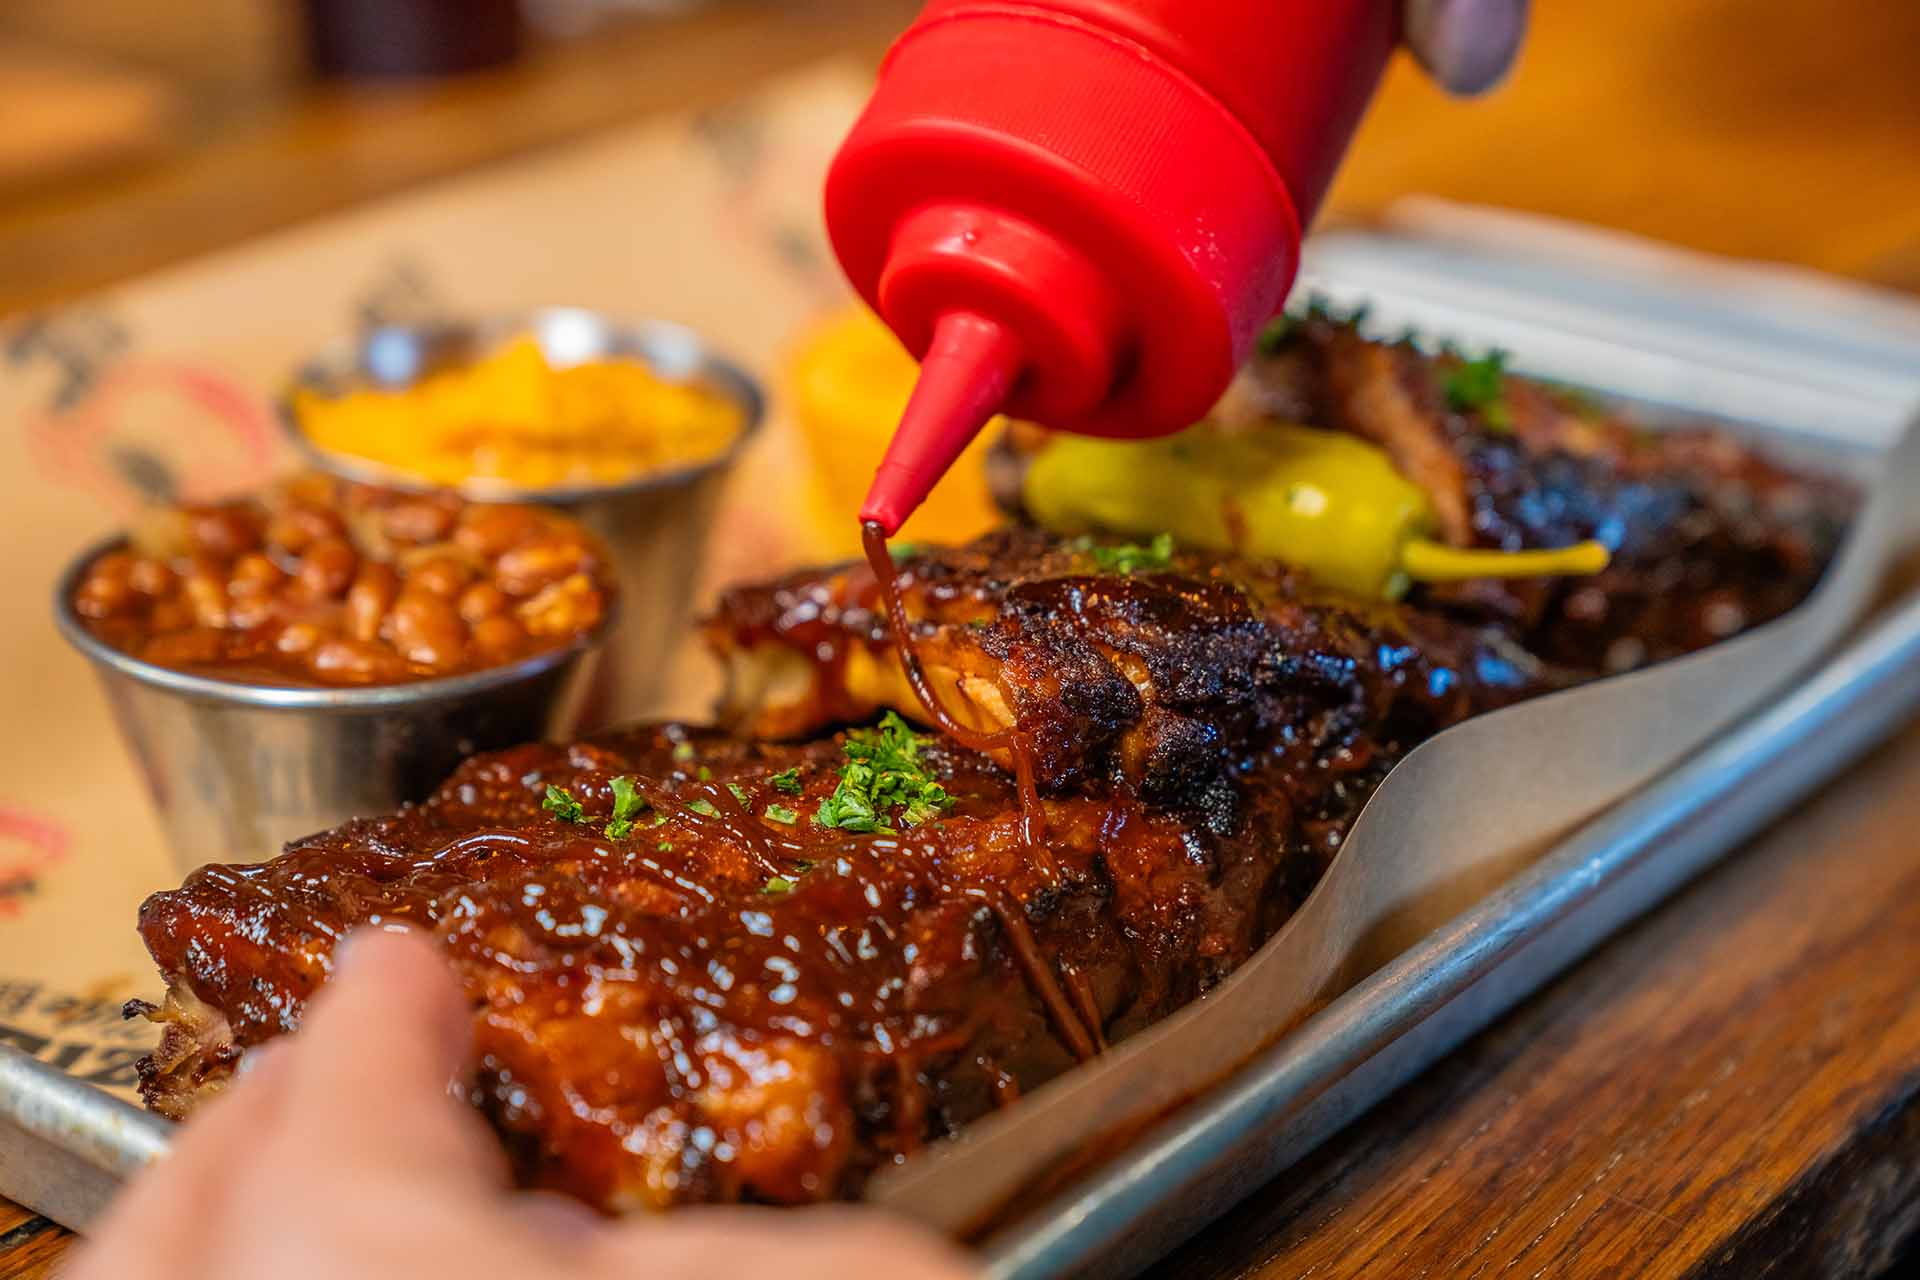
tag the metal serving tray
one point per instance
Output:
(1834, 377)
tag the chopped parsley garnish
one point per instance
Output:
(780, 813)
(1318, 309)
(1477, 386)
(682, 752)
(787, 780)
(628, 803)
(703, 773)
(787, 883)
(1128, 557)
(739, 793)
(704, 805)
(883, 776)
(665, 846)
(898, 551)
(560, 803)
(1278, 332)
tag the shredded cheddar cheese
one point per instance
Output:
(513, 418)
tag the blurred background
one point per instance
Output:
(139, 134)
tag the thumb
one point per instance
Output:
(1466, 45)
(369, 1071)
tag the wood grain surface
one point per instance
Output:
(29, 1243)
(1730, 1088)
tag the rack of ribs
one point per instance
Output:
(727, 1000)
(1709, 537)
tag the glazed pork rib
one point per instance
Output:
(706, 967)
(1709, 537)
(1170, 682)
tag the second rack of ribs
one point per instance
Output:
(725, 1005)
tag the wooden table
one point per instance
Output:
(1731, 1087)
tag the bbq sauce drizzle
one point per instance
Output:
(1033, 828)
(1062, 989)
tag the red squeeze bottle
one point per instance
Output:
(1082, 212)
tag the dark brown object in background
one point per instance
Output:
(403, 38)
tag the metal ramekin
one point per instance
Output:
(237, 770)
(656, 527)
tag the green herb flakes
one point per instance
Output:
(705, 806)
(1277, 334)
(789, 882)
(560, 803)
(883, 777)
(740, 794)
(703, 774)
(628, 803)
(787, 780)
(780, 813)
(1128, 557)
(1477, 386)
(682, 752)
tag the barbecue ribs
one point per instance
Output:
(731, 1001)
(1709, 537)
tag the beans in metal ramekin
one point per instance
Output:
(323, 581)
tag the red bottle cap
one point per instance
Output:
(1082, 212)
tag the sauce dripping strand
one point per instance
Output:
(873, 539)
(1074, 1017)
(1082, 1036)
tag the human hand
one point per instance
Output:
(1466, 45)
(342, 1153)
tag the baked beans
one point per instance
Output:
(323, 581)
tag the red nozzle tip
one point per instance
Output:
(969, 368)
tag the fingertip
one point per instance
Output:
(1466, 45)
(398, 970)
(556, 1219)
(382, 1044)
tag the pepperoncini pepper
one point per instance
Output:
(1324, 501)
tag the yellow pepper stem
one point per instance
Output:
(1425, 561)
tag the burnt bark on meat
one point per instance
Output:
(1709, 537)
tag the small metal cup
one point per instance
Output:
(655, 526)
(238, 770)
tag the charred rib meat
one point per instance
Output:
(1708, 537)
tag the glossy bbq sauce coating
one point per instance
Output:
(720, 1004)
(324, 582)
(728, 1000)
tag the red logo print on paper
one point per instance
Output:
(28, 846)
